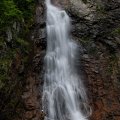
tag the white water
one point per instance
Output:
(64, 97)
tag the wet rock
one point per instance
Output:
(41, 43)
(85, 56)
(30, 115)
(39, 12)
(93, 25)
(38, 61)
(29, 104)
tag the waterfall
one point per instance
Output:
(64, 96)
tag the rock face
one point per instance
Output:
(96, 27)
(98, 32)
(34, 78)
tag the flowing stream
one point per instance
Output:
(64, 96)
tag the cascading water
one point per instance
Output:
(64, 96)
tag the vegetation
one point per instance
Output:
(17, 16)
(14, 10)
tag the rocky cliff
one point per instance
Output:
(96, 28)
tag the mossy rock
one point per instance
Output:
(116, 31)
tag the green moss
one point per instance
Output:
(8, 13)
(1, 83)
(5, 64)
(87, 42)
(25, 59)
(2, 43)
(22, 42)
(116, 31)
(113, 64)
(4, 67)
(100, 9)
